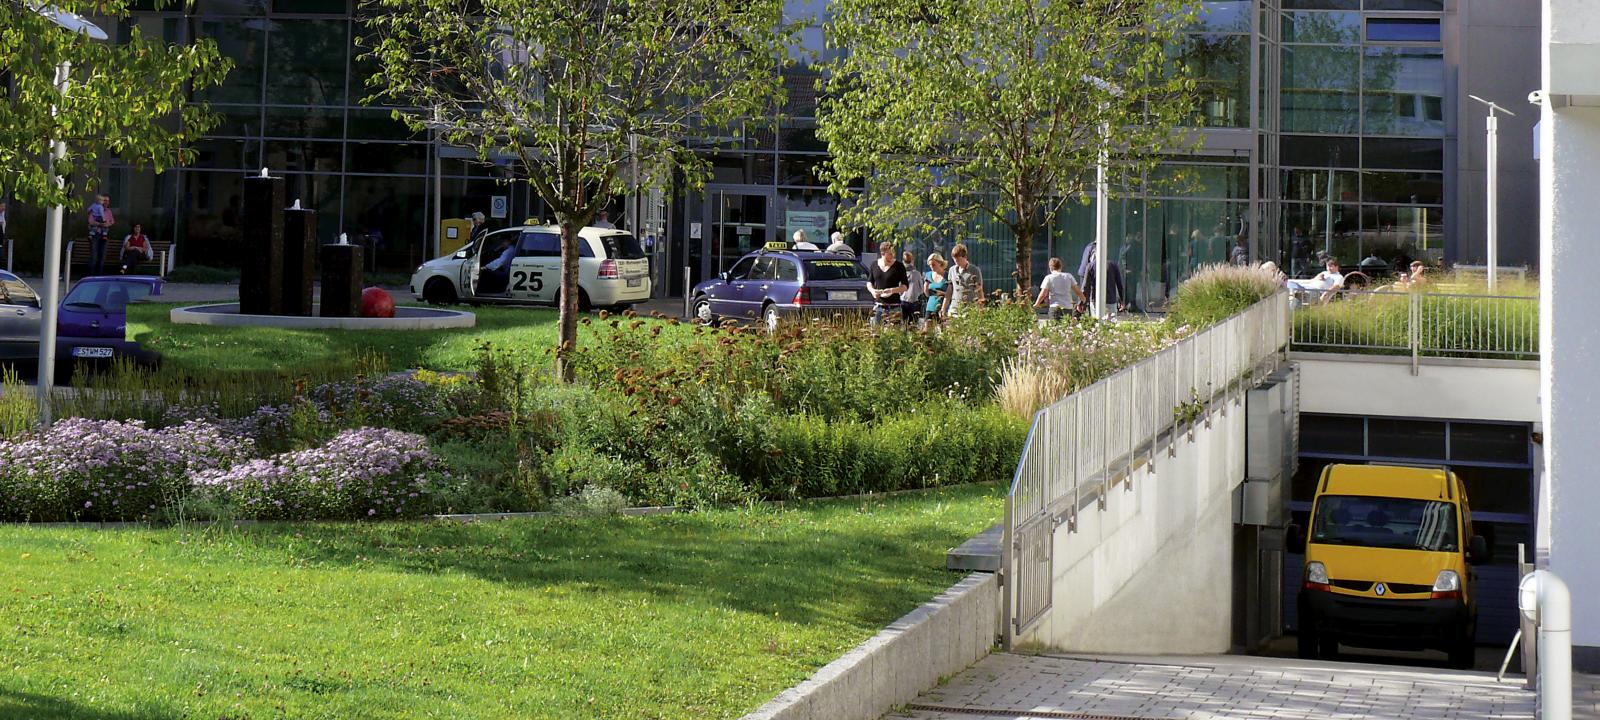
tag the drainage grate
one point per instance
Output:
(1001, 712)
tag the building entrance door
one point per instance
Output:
(740, 220)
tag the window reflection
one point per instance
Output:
(1404, 92)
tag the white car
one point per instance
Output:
(612, 269)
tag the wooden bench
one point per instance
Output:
(78, 256)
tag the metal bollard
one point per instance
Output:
(687, 311)
(1544, 599)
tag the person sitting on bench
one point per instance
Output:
(136, 249)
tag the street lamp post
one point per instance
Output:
(52, 240)
(1102, 203)
(1492, 215)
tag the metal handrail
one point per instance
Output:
(1421, 324)
(1083, 443)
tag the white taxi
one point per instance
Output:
(522, 266)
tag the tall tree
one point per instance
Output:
(576, 89)
(949, 108)
(122, 98)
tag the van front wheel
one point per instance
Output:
(1464, 654)
(1309, 643)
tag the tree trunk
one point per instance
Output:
(568, 338)
(1024, 233)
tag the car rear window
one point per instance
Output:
(832, 270)
(108, 296)
(618, 247)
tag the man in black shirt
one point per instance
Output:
(886, 278)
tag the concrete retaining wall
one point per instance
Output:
(1152, 573)
(1447, 388)
(943, 637)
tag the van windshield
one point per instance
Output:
(1385, 523)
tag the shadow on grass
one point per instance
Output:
(763, 561)
(20, 705)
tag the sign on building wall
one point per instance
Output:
(498, 207)
(814, 222)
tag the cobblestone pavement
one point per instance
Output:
(1204, 688)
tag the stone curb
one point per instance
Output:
(937, 640)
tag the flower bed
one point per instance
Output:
(661, 414)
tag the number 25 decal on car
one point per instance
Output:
(527, 281)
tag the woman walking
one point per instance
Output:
(938, 289)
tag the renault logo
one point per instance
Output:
(1380, 589)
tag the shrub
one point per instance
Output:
(487, 476)
(107, 470)
(1025, 387)
(368, 473)
(592, 502)
(1217, 292)
(18, 411)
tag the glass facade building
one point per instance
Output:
(1326, 125)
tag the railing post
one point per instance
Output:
(1414, 317)
(1008, 573)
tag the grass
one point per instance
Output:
(1457, 319)
(200, 349)
(698, 615)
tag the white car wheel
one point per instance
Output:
(702, 312)
(773, 319)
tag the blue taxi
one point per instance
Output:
(775, 284)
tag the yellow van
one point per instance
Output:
(1387, 563)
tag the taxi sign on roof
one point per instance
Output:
(776, 245)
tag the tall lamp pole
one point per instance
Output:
(52, 239)
(1102, 203)
(1492, 216)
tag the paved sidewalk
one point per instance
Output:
(1196, 688)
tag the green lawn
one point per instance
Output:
(696, 615)
(198, 349)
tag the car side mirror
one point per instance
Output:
(461, 254)
(1477, 550)
(722, 276)
(1294, 539)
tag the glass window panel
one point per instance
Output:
(752, 169)
(1319, 151)
(1221, 67)
(1320, 89)
(379, 125)
(387, 158)
(237, 121)
(227, 154)
(1403, 92)
(1411, 188)
(802, 137)
(1499, 490)
(1402, 154)
(1201, 181)
(799, 169)
(327, 7)
(1333, 434)
(244, 42)
(1230, 16)
(303, 155)
(1489, 443)
(305, 122)
(1429, 5)
(308, 62)
(1331, 28)
(1399, 235)
(1385, 29)
(231, 7)
(1322, 4)
(1422, 439)
(1320, 185)
(393, 213)
(1183, 234)
(1304, 236)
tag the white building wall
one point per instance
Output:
(1500, 390)
(1569, 316)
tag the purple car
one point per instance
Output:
(93, 319)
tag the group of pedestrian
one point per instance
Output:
(901, 291)
(136, 248)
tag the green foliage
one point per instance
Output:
(1217, 292)
(1448, 325)
(18, 411)
(585, 94)
(131, 99)
(1003, 107)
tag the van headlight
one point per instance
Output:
(1317, 573)
(1448, 581)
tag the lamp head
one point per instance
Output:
(72, 22)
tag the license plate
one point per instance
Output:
(92, 352)
(841, 295)
(635, 282)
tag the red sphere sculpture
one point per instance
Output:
(376, 303)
